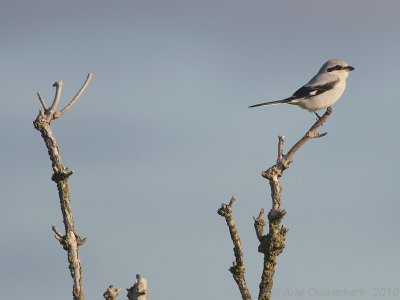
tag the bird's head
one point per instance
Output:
(337, 67)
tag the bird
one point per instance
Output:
(322, 91)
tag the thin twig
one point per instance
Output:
(77, 96)
(311, 134)
(42, 101)
(57, 233)
(280, 147)
(59, 85)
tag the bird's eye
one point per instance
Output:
(338, 67)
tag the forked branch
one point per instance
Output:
(77, 96)
(70, 240)
(272, 244)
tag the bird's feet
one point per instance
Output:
(328, 112)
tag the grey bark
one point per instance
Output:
(272, 244)
(70, 240)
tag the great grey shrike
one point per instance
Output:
(323, 90)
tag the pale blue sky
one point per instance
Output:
(163, 136)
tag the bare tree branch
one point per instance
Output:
(111, 293)
(77, 96)
(57, 233)
(139, 290)
(311, 134)
(71, 240)
(237, 269)
(273, 243)
(280, 147)
(59, 86)
(42, 101)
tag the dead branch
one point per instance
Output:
(71, 240)
(273, 243)
(237, 268)
(77, 96)
(111, 293)
(139, 290)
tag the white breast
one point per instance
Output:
(323, 100)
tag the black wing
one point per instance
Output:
(310, 91)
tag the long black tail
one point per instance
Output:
(284, 101)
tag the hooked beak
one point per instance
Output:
(349, 68)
